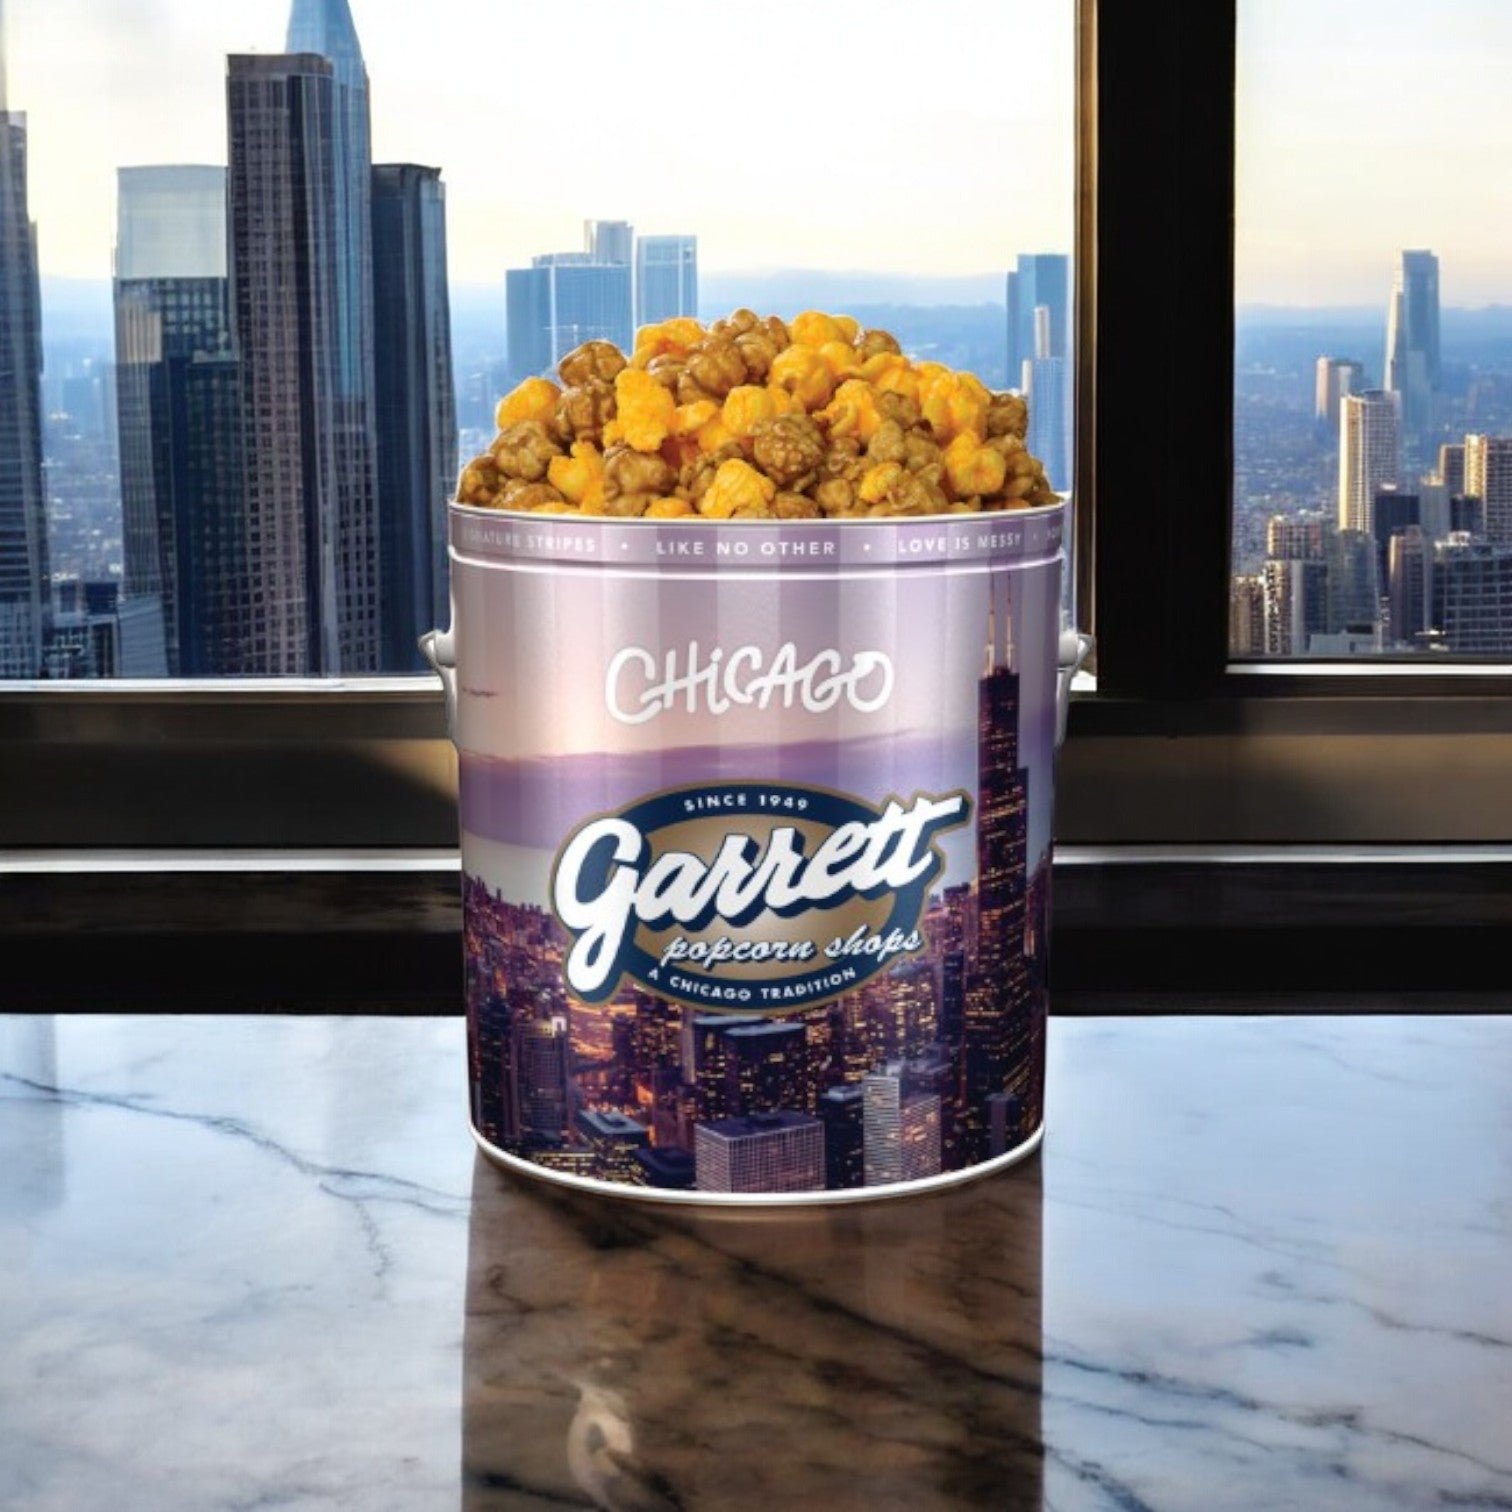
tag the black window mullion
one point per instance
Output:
(1162, 356)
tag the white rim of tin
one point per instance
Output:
(844, 521)
(689, 1198)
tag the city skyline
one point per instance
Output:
(286, 423)
(1416, 554)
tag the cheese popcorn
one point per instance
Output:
(645, 409)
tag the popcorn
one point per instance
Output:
(737, 489)
(535, 399)
(579, 478)
(853, 411)
(973, 468)
(750, 418)
(645, 409)
(745, 408)
(805, 375)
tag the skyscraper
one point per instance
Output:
(841, 1111)
(1488, 476)
(1393, 511)
(709, 1063)
(666, 278)
(1299, 537)
(1294, 581)
(767, 1152)
(998, 1056)
(607, 241)
(1451, 467)
(1046, 382)
(562, 300)
(767, 1067)
(1409, 584)
(1295, 603)
(1412, 348)
(1354, 582)
(1368, 454)
(300, 238)
(415, 404)
(615, 1140)
(178, 407)
(900, 1129)
(539, 1067)
(1042, 278)
(1472, 596)
(1335, 377)
(25, 592)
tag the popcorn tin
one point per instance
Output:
(755, 846)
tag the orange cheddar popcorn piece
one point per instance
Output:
(689, 419)
(736, 486)
(853, 411)
(580, 477)
(813, 329)
(841, 358)
(805, 375)
(672, 337)
(973, 469)
(745, 408)
(535, 399)
(645, 409)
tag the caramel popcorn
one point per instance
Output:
(751, 418)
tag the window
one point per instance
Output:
(1179, 744)
(810, 162)
(341, 330)
(1373, 363)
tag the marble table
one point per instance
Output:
(253, 1263)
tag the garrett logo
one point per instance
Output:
(753, 896)
(638, 686)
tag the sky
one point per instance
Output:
(1366, 128)
(833, 134)
(869, 136)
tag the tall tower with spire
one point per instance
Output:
(1413, 369)
(300, 240)
(25, 592)
(1001, 1056)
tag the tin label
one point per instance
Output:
(756, 864)
(753, 896)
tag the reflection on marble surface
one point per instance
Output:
(252, 1263)
(869, 1356)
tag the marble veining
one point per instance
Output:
(254, 1263)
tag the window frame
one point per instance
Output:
(1172, 747)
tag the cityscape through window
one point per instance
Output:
(1373, 335)
(265, 273)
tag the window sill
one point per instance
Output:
(202, 932)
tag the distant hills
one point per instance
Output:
(787, 291)
(1455, 320)
(76, 309)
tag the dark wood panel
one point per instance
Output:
(390, 942)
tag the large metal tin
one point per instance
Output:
(756, 847)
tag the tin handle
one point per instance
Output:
(439, 649)
(1075, 648)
